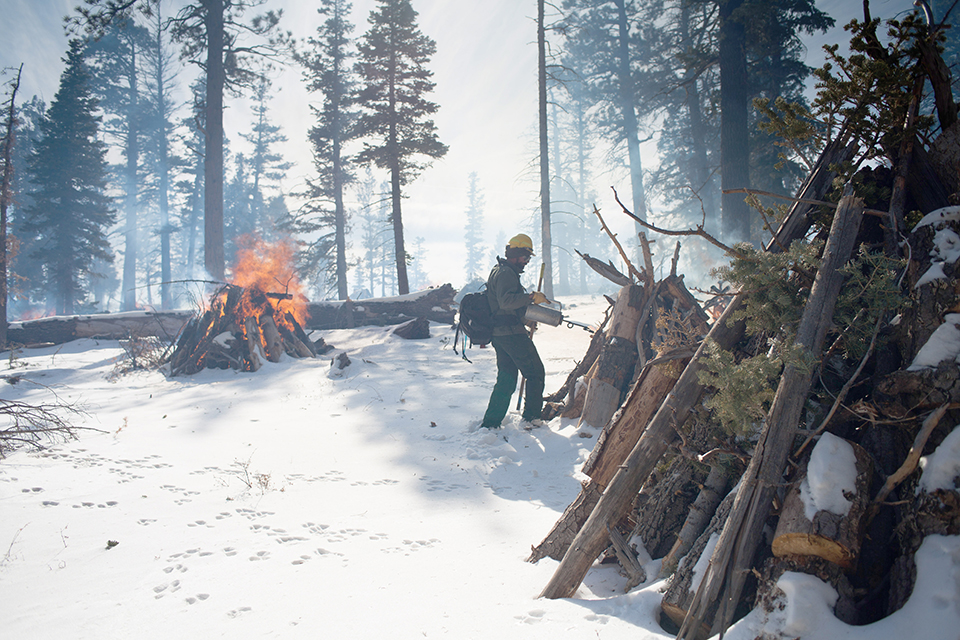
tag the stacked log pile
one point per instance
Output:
(661, 475)
(242, 329)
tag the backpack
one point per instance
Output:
(475, 322)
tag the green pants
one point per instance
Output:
(515, 353)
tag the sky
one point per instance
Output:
(305, 501)
(486, 86)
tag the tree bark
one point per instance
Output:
(272, 341)
(546, 239)
(132, 153)
(680, 592)
(213, 250)
(702, 510)
(5, 195)
(734, 132)
(733, 557)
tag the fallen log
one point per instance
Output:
(436, 305)
(733, 557)
(165, 325)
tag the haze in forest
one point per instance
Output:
(486, 87)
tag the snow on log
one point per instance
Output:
(436, 305)
(110, 326)
(822, 513)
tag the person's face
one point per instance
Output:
(523, 261)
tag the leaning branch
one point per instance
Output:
(613, 237)
(818, 203)
(913, 458)
(697, 231)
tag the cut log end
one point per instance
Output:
(805, 544)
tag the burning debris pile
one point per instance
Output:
(246, 323)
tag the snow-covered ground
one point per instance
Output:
(292, 503)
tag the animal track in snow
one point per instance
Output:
(198, 597)
(260, 555)
(532, 617)
(161, 589)
(440, 485)
(315, 528)
(238, 612)
(409, 546)
(330, 476)
(102, 505)
(281, 535)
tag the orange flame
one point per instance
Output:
(268, 268)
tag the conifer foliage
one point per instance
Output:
(328, 70)
(396, 123)
(70, 213)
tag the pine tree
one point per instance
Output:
(70, 212)
(159, 75)
(474, 231)
(238, 219)
(328, 71)
(609, 41)
(210, 32)
(267, 166)
(395, 123)
(116, 76)
(7, 130)
(25, 272)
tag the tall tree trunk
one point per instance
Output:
(340, 222)
(400, 254)
(213, 252)
(734, 135)
(581, 184)
(163, 169)
(546, 239)
(5, 197)
(130, 187)
(631, 129)
(700, 169)
(195, 209)
(563, 260)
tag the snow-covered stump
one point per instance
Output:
(822, 513)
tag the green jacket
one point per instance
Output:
(508, 299)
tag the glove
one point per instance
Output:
(539, 298)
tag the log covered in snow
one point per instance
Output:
(165, 325)
(822, 513)
(436, 305)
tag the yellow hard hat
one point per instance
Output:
(521, 241)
